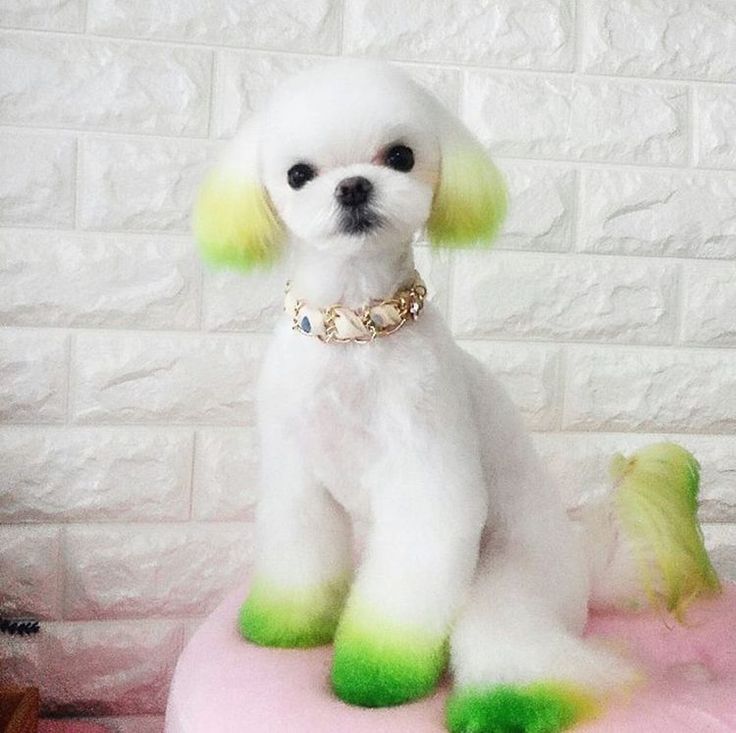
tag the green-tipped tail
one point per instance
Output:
(656, 501)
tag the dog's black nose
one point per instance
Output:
(353, 191)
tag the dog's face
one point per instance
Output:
(350, 159)
(346, 157)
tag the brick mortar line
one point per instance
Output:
(15, 523)
(102, 234)
(200, 285)
(694, 128)
(76, 183)
(574, 429)
(145, 237)
(623, 433)
(500, 250)
(93, 36)
(578, 29)
(577, 214)
(618, 166)
(61, 570)
(691, 122)
(577, 428)
(450, 294)
(561, 386)
(68, 406)
(680, 169)
(85, 16)
(128, 135)
(342, 14)
(713, 438)
(133, 526)
(63, 576)
(87, 132)
(678, 313)
(192, 464)
(212, 96)
(593, 344)
(102, 526)
(30, 524)
(181, 429)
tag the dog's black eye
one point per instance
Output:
(400, 158)
(300, 174)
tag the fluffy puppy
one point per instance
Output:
(369, 410)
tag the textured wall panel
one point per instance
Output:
(128, 450)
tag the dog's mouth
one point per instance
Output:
(359, 220)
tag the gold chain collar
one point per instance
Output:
(342, 325)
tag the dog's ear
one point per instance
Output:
(469, 202)
(234, 220)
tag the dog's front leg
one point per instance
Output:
(303, 566)
(391, 644)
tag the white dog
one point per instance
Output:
(368, 409)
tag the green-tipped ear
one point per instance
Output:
(470, 200)
(234, 222)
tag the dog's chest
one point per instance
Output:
(335, 411)
(347, 408)
(339, 415)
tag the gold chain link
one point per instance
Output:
(408, 302)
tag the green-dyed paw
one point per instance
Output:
(273, 616)
(537, 708)
(377, 664)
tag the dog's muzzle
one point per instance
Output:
(354, 196)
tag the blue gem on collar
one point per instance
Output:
(305, 325)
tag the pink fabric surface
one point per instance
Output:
(224, 684)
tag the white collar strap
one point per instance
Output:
(340, 324)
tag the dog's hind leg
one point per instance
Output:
(520, 665)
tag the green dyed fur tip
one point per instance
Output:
(235, 225)
(535, 708)
(470, 201)
(656, 502)
(377, 665)
(286, 618)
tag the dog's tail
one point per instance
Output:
(643, 538)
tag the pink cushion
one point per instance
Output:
(224, 684)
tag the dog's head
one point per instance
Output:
(348, 156)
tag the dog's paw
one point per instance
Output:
(534, 708)
(378, 664)
(281, 617)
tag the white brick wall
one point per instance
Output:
(127, 451)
